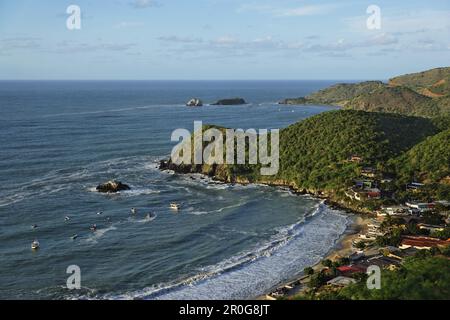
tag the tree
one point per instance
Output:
(308, 271)
(327, 263)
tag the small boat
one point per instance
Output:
(99, 213)
(34, 226)
(175, 206)
(93, 228)
(35, 245)
(134, 211)
(67, 218)
(75, 236)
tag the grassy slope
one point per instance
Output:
(433, 82)
(428, 161)
(400, 100)
(340, 94)
(424, 94)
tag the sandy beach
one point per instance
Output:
(343, 248)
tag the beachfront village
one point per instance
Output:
(387, 236)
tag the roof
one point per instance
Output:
(341, 281)
(352, 269)
(423, 242)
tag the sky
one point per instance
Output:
(222, 39)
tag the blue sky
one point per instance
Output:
(221, 39)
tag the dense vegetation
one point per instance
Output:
(400, 100)
(427, 162)
(340, 94)
(421, 94)
(434, 82)
(314, 152)
(421, 277)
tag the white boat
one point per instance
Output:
(134, 211)
(175, 206)
(35, 245)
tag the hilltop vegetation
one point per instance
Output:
(400, 100)
(339, 94)
(427, 162)
(314, 152)
(343, 93)
(433, 83)
(424, 94)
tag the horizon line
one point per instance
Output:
(193, 80)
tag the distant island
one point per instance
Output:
(230, 102)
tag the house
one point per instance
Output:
(341, 281)
(362, 184)
(422, 243)
(355, 256)
(373, 193)
(355, 158)
(429, 227)
(351, 269)
(414, 186)
(401, 254)
(383, 262)
(366, 193)
(421, 207)
(393, 211)
(369, 172)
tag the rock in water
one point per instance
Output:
(230, 102)
(194, 103)
(112, 186)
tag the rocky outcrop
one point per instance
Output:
(230, 102)
(112, 186)
(194, 103)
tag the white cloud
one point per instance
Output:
(307, 10)
(310, 10)
(128, 24)
(142, 4)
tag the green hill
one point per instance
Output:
(400, 100)
(427, 162)
(433, 83)
(425, 94)
(341, 93)
(338, 94)
(314, 152)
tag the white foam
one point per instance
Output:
(254, 272)
(97, 235)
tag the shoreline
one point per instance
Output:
(342, 248)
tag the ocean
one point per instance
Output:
(60, 139)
